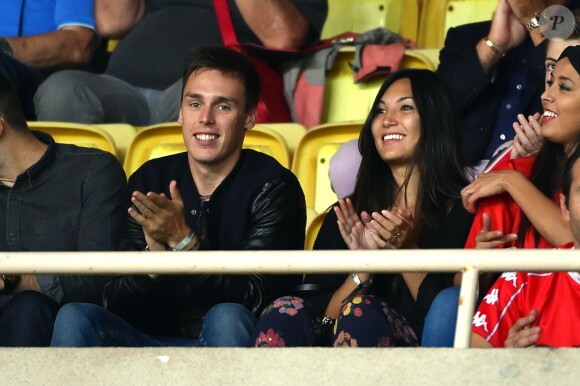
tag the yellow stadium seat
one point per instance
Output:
(312, 230)
(312, 157)
(165, 139)
(359, 16)
(291, 132)
(437, 16)
(77, 134)
(122, 133)
(344, 100)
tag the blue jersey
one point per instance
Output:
(32, 17)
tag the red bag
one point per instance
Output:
(272, 106)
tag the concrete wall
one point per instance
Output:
(288, 366)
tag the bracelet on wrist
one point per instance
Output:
(359, 283)
(494, 47)
(180, 246)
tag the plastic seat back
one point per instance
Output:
(437, 16)
(77, 134)
(345, 100)
(359, 16)
(312, 230)
(312, 158)
(167, 138)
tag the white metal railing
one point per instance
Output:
(470, 262)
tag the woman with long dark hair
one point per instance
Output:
(527, 214)
(406, 196)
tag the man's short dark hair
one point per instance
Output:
(228, 62)
(568, 175)
(10, 108)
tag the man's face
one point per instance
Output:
(572, 212)
(214, 118)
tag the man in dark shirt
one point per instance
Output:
(53, 197)
(496, 71)
(141, 83)
(215, 196)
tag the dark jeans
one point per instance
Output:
(27, 320)
(25, 80)
(88, 325)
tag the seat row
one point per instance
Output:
(423, 21)
(305, 152)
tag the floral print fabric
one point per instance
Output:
(364, 321)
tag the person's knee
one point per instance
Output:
(227, 325)
(74, 323)
(64, 96)
(75, 315)
(446, 301)
(226, 313)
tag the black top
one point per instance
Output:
(72, 199)
(153, 53)
(258, 206)
(479, 95)
(449, 232)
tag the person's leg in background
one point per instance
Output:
(368, 321)
(227, 325)
(84, 97)
(439, 327)
(167, 106)
(287, 322)
(89, 325)
(27, 320)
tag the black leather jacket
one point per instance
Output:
(259, 206)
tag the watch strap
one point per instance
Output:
(533, 23)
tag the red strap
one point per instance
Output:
(225, 22)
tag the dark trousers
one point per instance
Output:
(364, 321)
(27, 320)
(25, 80)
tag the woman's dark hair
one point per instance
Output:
(547, 170)
(568, 176)
(546, 175)
(438, 155)
(228, 62)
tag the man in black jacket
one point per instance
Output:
(496, 71)
(215, 196)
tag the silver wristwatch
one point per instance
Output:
(533, 23)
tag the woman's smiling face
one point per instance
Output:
(561, 102)
(396, 126)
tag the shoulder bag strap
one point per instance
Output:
(224, 17)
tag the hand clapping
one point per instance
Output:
(384, 230)
(162, 218)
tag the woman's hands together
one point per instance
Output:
(384, 230)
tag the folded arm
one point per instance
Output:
(278, 24)
(70, 46)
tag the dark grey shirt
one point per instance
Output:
(153, 53)
(72, 199)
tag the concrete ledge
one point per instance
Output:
(288, 366)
